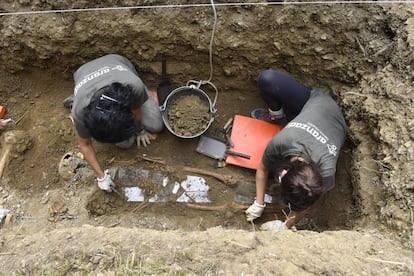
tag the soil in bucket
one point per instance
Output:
(188, 116)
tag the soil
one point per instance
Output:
(61, 223)
(189, 116)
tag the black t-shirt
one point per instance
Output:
(98, 73)
(318, 132)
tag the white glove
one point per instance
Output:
(106, 183)
(254, 211)
(273, 225)
(143, 138)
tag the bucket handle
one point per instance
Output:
(197, 84)
(163, 106)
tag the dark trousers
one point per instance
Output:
(280, 90)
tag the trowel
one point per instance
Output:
(115, 190)
(3, 112)
(164, 87)
(217, 149)
(15, 122)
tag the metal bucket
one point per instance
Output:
(185, 91)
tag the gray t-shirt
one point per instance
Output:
(318, 131)
(98, 73)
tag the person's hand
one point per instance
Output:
(254, 211)
(105, 183)
(273, 225)
(3, 123)
(143, 138)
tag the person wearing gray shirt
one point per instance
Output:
(112, 105)
(303, 155)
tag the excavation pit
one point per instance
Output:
(360, 54)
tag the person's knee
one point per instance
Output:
(267, 82)
(152, 120)
(266, 77)
(154, 126)
(151, 116)
(126, 144)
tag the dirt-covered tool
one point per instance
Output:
(115, 190)
(217, 149)
(164, 87)
(3, 111)
(226, 132)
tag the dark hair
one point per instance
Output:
(302, 185)
(109, 117)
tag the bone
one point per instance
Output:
(226, 179)
(14, 141)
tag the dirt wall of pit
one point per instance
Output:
(362, 53)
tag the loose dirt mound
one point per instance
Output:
(189, 116)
